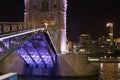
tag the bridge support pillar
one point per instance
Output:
(62, 41)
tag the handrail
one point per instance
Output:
(8, 27)
(9, 76)
(2, 37)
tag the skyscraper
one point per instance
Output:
(110, 33)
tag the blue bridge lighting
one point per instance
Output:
(37, 52)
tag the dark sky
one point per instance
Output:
(91, 16)
(83, 16)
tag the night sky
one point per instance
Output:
(91, 16)
(83, 16)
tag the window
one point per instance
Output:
(45, 6)
(34, 6)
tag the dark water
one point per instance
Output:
(57, 78)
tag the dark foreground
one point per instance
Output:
(57, 78)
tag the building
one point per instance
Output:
(84, 41)
(52, 14)
(110, 32)
(103, 45)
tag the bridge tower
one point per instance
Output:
(52, 13)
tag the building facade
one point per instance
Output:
(52, 13)
(84, 40)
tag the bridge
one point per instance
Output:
(31, 41)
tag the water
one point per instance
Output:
(108, 71)
(57, 78)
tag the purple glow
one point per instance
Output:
(1, 51)
(25, 56)
(33, 53)
(63, 30)
(14, 42)
(39, 50)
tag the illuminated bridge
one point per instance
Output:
(29, 41)
(28, 49)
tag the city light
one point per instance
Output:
(110, 24)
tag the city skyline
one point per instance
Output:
(83, 16)
(91, 17)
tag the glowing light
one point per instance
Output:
(25, 56)
(63, 31)
(82, 50)
(38, 52)
(109, 24)
(21, 33)
(63, 41)
(46, 25)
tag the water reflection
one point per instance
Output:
(109, 71)
(58, 78)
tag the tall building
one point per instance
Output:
(110, 33)
(85, 40)
(52, 13)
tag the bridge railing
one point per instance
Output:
(8, 27)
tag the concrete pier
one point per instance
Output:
(76, 65)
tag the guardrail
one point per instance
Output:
(9, 76)
(8, 27)
(104, 60)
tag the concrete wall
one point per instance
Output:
(68, 65)
(12, 63)
(76, 65)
